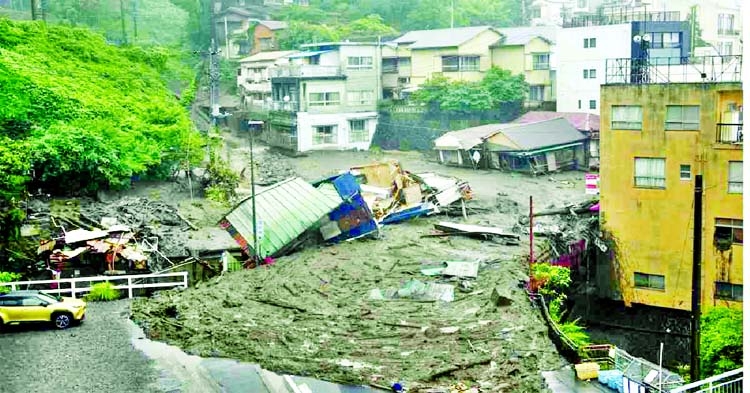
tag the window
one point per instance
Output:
(592, 104)
(324, 135)
(726, 24)
(390, 66)
(32, 301)
(10, 301)
(360, 97)
(579, 104)
(536, 93)
(735, 177)
(239, 72)
(682, 117)
(324, 99)
(460, 63)
(685, 172)
(649, 172)
(359, 63)
(727, 231)
(536, 12)
(649, 281)
(404, 62)
(581, 3)
(589, 42)
(357, 131)
(725, 48)
(404, 80)
(541, 61)
(627, 117)
(266, 43)
(665, 40)
(728, 291)
(589, 74)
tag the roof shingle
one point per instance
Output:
(439, 38)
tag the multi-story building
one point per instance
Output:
(254, 76)
(585, 43)
(661, 125)
(325, 98)
(529, 51)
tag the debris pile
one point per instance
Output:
(272, 169)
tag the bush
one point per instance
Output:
(104, 292)
(721, 340)
(575, 333)
(556, 279)
(8, 277)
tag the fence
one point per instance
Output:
(73, 290)
(623, 16)
(729, 382)
(690, 70)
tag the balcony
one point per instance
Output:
(625, 16)
(689, 70)
(307, 71)
(729, 133)
(729, 32)
(268, 106)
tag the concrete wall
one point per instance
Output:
(307, 121)
(654, 226)
(612, 41)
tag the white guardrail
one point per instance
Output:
(19, 285)
(729, 382)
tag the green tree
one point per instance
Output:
(466, 96)
(721, 340)
(503, 86)
(300, 33)
(371, 26)
(498, 86)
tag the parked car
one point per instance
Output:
(33, 306)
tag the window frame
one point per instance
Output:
(682, 125)
(460, 63)
(662, 180)
(352, 101)
(326, 101)
(537, 88)
(649, 281)
(592, 104)
(625, 124)
(537, 65)
(734, 290)
(589, 43)
(689, 172)
(324, 138)
(361, 135)
(735, 226)
(360, 63)
(729, 177)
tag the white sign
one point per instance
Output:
(476, 156)
(592, 183)
(259, 228)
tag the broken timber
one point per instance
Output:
(473, 230)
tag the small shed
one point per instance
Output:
(535, 148)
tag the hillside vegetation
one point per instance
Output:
(79, 115)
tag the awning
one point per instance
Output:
(306, 54)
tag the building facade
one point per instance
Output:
(585, 46)
(656, 136)
(254, 76)
(324, 99)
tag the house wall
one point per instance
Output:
(519, 59)
(612, 41)
(426, 62)
(654, 227)
(306, 122)
(260, 33)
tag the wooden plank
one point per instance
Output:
(473, 230)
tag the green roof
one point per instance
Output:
(284, 211)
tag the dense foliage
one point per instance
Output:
(8, 277)
(370, 27)
(721, 340)
(80, 115)
(498, 86)
(103, 292)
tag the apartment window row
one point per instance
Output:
(589, 42)
(540, 61)
(650, 172)
(327, 135)
(359, 63)
(678, 117)
(723, 290)
(324, 99)
(361, 97)
(589, 73)
(460, 63)
(665, 40)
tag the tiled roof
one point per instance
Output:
(439, 38)
(274, 24)
(581, 121)
(522, 35)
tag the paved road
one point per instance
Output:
(94, 357)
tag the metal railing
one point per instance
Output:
(690, 70)
(729, 32)
(613, 18)
(729, 382)
(730, 133)
(265, 106)
(129, 286)
(306, 71)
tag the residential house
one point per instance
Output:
(228, 21)
(529, 51)
(264, 35)
(535, 148)
(585, 123)
(458, 54)
(656, 136)
(253, 37)
(254, 76)
(325, 98)
(586, 43)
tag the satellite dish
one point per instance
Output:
(637, 39)
(647, 37)
(286, 98)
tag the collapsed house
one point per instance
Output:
(534, 148)
(349, 205)
(586, 123)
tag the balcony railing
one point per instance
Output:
(730, 133)
(613, 18)
(689, 70)
(729, 32)
(730, 381)
(291, 106)
(306, 71)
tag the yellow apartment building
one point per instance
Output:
(656, 135)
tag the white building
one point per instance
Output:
(326, 98)
(254, 76)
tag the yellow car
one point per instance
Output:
(34, 306)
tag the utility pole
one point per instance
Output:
(135, 20)
(252, 193)
(695, 322)
(122, 22)
(452, 10)
(44, 6)
(34, 9)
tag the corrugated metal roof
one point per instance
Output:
(285, 210)
(307, 54)
(440, 38)
(532, 136)
(581, 121)
(267, 56)
(467, 138)
(522, 35)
